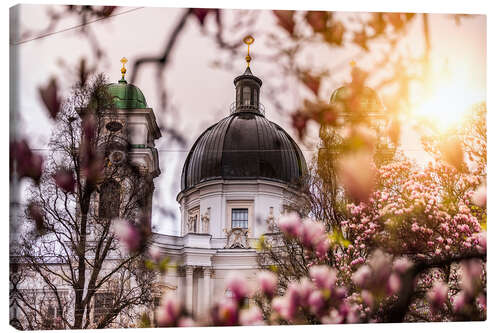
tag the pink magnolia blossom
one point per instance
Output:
(393, 284)
(225, 313)
(26, 163)
(154, 252)
(187, 322)
(238, 286)
(479, 197)
(251, 316)
(459, 301)
(290, 224)
(65, 180)
(401, 265)
(438, 295)
(367, 298)
(334, 317)
(357, 175)
(322, 247)
(324, 277)
(267, 282)
(127, 233)
(281, 305)
(362, 276)
(169, 311)
(316, 301)
(481, 241)
(312, 233)
(471, 276)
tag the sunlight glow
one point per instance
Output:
(446, 98)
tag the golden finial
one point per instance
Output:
(352, 63)
(248, 40)
(124, 70)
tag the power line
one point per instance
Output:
(75, 27)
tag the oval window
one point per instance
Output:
(114, 126)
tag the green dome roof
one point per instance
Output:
(127, 96)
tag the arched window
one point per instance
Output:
(247, 95)
(109, 200)
(238, 95)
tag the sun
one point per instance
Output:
(446, 98)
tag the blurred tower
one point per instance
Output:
(358, 105)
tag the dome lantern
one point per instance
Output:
(247, 87)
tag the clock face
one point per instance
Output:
(117, 157)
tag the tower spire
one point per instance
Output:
(123, 70)
(248, 40)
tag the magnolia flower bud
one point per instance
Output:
(65, 180)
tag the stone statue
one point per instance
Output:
(205, 220)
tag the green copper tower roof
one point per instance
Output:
(127, 96)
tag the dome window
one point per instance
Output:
(247, 96)
(239, 218)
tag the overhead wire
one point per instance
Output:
(74, 27)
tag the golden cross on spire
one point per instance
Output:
(248, 40)
(124, 70)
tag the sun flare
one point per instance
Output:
(446, 99)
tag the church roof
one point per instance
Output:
(244, 145)
(127, 96)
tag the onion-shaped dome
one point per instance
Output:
(364, 101)
(244, 145)
(126, 96)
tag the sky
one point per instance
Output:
(200, 94)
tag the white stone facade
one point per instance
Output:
(204, 259)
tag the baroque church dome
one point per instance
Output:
(244, 145)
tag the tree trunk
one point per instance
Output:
(82, 244)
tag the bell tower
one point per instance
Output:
(131, 131)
